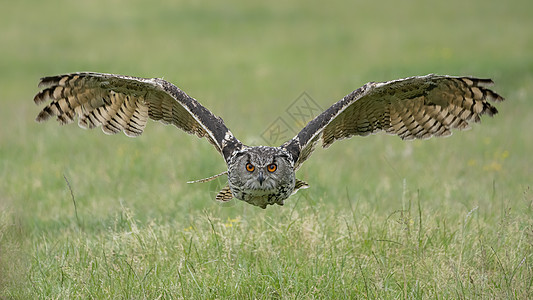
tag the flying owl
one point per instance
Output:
(417, 107)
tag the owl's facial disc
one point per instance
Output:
(261, 175)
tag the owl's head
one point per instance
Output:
(261, 175)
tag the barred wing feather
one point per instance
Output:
(417, 107)
(123, 103)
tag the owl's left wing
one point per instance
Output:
(124, 103)
(417, 107)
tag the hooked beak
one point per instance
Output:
(261, 178)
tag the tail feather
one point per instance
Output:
(225, 194)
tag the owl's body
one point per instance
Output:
(261, 175)
(417, 107)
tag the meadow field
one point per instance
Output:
(84, 215)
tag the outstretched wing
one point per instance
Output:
(122, 103)
(417, 107)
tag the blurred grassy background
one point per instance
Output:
(243, 59)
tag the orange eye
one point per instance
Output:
(272, 167)
(250, 167)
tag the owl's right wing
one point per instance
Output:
(123, 103)
(417, 107)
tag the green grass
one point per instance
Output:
(443, 218)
